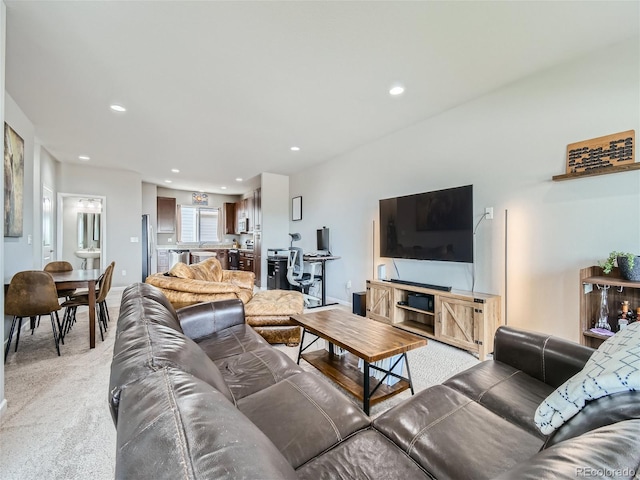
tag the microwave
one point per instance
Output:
(243, 225)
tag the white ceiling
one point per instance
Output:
(223, 89)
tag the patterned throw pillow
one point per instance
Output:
(613, 368)
(181, 270)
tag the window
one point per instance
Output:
(197, 224)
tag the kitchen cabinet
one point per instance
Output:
(230, 220)
(246, 261)
(466, 320)
(257, 259)
(166, 214)
(257, 210)
(223, 257)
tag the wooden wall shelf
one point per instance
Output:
(600, 171)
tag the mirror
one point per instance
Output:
(88, 230)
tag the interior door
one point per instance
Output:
(48, 247)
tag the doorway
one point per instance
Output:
(81, 229)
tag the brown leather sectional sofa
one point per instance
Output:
(197, 394)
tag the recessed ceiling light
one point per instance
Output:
(295, 149)
(238, 179)
(167, 181)
(396, 90)
(223, 188)
(118, 108)
(84, 157)
(175, 170)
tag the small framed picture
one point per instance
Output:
(296, 208)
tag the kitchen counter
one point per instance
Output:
(205, 248)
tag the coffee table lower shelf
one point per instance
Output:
(343, 369)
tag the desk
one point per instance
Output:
(81, 279)
(323, 261)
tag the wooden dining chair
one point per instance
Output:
(32, 293)
(80, 300)
(61, 266)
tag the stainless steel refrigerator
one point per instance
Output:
(148, 246)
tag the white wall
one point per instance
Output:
(508, 145)
(275, 217)
(123, 204)
(18, 253)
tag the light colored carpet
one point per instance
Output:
(58, 424)
(430, 365)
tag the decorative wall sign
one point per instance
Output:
(602, 152)
(199, 199)
(13, 182)
(296, 208)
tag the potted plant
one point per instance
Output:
(629, 264)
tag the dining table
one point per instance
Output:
(82, 279)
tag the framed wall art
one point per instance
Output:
(13, 182)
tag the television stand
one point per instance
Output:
(418, 284)
(466, 320)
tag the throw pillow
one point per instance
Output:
(210, 270)
(181, 270)
(613, 368)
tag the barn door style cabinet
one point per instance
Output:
(467, 320)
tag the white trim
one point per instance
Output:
(3, 408)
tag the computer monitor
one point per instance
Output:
(323, 240)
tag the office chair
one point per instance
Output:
(297, 277)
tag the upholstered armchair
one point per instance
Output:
(203, 282)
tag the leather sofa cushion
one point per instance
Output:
(146, 347)
(366, 454)
(303, 415)
(506, 391)
(181, 428)
(256, 370)
(232, 341)
(607, 452)
(203, 319)
(451, 436)
(145, 303)
(550, 359)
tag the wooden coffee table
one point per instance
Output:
(365, 339)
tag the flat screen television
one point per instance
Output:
(434, 225)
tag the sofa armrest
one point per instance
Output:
(550, 359)
(204, 319)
